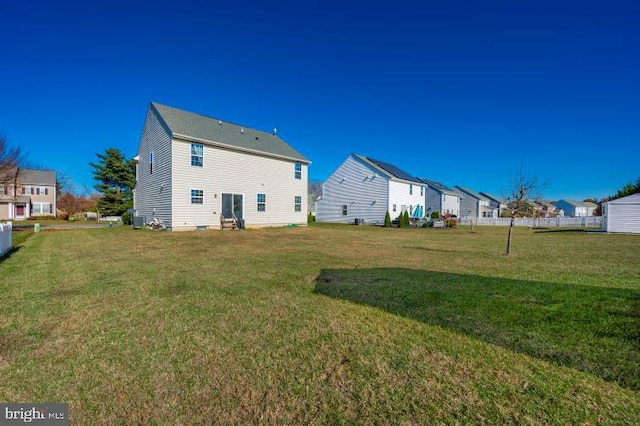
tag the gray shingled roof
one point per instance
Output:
(471, 193)
(576, 203)
(199, 127)
(37, 177)
(389, 169)
(439, 187)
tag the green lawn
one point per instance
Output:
(323, 325)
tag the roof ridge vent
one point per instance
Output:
(242, 130)
(275, 130)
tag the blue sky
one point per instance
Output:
(463, 92)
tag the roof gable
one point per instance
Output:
(197, 127)
(471, 193)
(629, 199)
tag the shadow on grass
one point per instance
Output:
(592, 329)
(8, 254)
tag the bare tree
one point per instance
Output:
(10, 159)
(524, 191)
(315, 191)
(10, 164)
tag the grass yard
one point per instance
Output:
(323, 325)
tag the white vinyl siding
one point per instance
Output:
(401, 194)
(235, 172)
(152, 195)
(622, 215)
(359, 187)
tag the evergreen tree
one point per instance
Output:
(387, 220)
(117, 177)
(405, 217)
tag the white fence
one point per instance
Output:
(540, 222)
(5, 238)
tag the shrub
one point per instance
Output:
(435, 215)
(405, 217)
(310, 218)
(126, 218)
(387, 220)
(63, 215)
(451, 223)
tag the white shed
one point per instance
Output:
(622, 215)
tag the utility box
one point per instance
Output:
(137, 222)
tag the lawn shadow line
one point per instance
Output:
(8, 254)
(591, 329)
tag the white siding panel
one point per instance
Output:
(623, 218)
(227, 171)
(400, 195)
(362, 189)
(451, 204)
(152, 196)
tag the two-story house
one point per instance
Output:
(475, 205)
(365, 189)
(29, 193)
(574, 208)
(199, 172)
(439, 198)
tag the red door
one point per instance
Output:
(20, 210)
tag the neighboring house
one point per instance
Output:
(441, 199)
(495, 203)
(622, 215)
(197, 172)
(32, 195)
(474, 204)
(365, 189)
(547, 209)
(573, 208)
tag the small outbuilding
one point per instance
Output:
(622, 215)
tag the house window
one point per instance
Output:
(262, 202)
(151, 163)
(297, 203)
(41, 191)
(298, 169)
(394, 207)
(197, 196)
(197, 155)
(410, 189)
(344, 210)
(41, 208)
(421, 191)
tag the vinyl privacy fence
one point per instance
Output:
(539, 222)
(5, 238)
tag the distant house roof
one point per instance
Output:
(471, 193)
(37, 177)
(389, 169)
(629, 199)
(491, 197)
(439, 187)
(30, 177)
(198, 127)
(576, 203)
